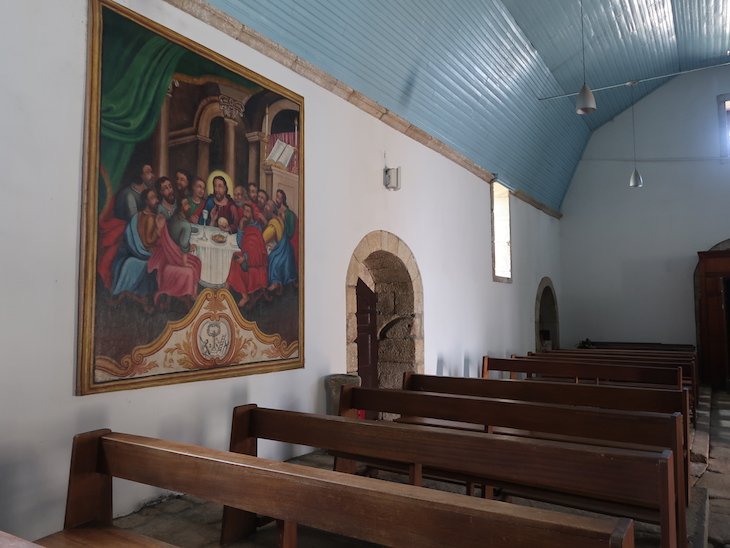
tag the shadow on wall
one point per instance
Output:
(25, 481)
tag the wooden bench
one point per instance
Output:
(403, 515)
(597, 373)
(648, 377)
(646, 358)
(641, 346)
(605, 397)
(609, 480)
(593, 426)
(686, 360)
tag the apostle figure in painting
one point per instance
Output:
(129, 200)
(130, 276)
(258, 210)
(253, 193)
(242, 196)
(177, 270)
(182, 183)
(261, 198)
(274, 230)
(148, 176)
(194, 205)
(282, 267)
(166, 193)
(113, 221)
(180, 231)
(291, 226)
(239, 195)
(248, 273)
(223, 211)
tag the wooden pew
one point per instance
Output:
(605, 397)
(642, 346)
(405, 515)
(648, 377)
(598, 373)
(687, 360)
(603, 479)
(690, 375)
(625, 429)
(683, 358)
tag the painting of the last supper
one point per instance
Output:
(192, 241)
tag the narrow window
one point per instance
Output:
(723, 103)
(727, 126)
(501, 247)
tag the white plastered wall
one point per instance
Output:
(442, 213)
(628, 255)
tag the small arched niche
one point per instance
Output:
(386, 265)
(547, 327)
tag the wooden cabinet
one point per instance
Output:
(714, 292)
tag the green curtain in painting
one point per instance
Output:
(137, 67)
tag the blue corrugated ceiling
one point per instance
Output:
(470, 72)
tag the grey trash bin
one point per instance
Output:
(332, 386)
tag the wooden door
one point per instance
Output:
(714, 280)
(714, 347)
(367, 335)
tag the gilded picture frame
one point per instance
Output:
(192, 255)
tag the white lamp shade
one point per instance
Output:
(585, 103)
(636, 181)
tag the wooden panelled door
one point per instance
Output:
(367, 335)
(714, 338)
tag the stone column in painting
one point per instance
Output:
(256, 150)
(232, 112)
(162, 135)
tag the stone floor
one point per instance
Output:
(716, 478)
(191, 523)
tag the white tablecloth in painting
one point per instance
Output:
(215, 257)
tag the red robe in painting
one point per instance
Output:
(252, 274)
(178, 273)
(111, 230)
(229, 210)
(257, 215)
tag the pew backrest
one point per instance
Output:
(584, 358)
(618, 478)
(584, 424)
(405, 515)
(648, 376)
(602, 396)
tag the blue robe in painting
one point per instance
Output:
(282, 266)
(130, 264)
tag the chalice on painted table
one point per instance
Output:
(205, 214)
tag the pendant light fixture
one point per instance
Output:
(635, 181)
(585, 103)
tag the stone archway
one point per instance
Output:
(547, 326)
(387, 266)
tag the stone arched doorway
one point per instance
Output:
(386, 265)
(547, 327)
